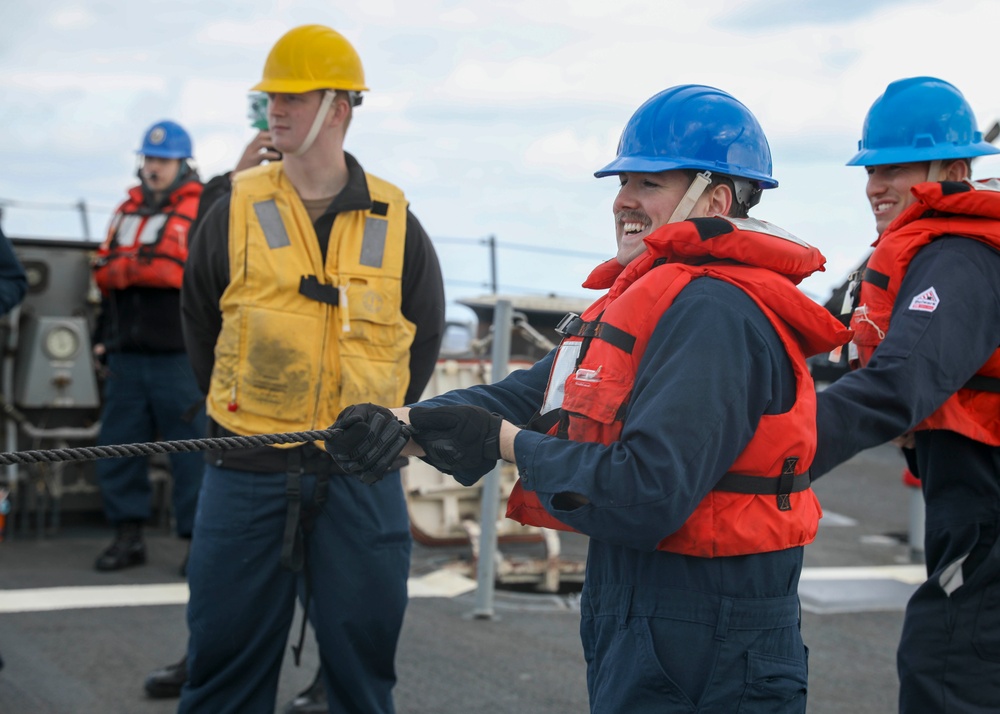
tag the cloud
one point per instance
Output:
(569, 154)
(257, 32)
(94, 83)
(491, 116)
(72, 18)
(769, 14)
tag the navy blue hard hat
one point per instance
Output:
(919, 119)
(166, 140)
(692, 126)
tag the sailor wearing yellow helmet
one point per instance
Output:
(310, 287)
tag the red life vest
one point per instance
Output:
(144, 248)
(765, 502)
(970, 209)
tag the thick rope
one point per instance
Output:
(116, 451)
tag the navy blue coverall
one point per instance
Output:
(664, 632)
(949, 653)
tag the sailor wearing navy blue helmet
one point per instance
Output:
(149, 387)
(674, 425)
(927, 327)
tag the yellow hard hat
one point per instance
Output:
(312, 57)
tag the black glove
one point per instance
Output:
(458, 439)
(367, 438)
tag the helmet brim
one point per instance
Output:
(649, 165)
(299, 86)
(911, 155)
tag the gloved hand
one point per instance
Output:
(459, 439)
(367, 438)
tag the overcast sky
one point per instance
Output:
(492, 115)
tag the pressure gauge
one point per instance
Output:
(61, 342)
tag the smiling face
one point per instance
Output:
(644, 203)
(889, 187)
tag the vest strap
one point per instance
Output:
(308, 521)
(879, 280)
(982, 383)
(543, 423)
(762, 485)
(310, 286)
(575, 326)
(292, 548)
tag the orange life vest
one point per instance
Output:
(144, 248)
(970, 209)
(765, 502)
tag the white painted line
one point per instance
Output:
(40, 599)
(911, 574)
(875, 539)
(441, 583)
(831, 518)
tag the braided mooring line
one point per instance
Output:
(116, 451)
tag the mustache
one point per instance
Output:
(632, 216)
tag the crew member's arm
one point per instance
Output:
(423, 305)
(206, 275)
(713, 366)
(925, 356)
(516, 397)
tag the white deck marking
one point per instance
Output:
(441, 583)
(909, 574)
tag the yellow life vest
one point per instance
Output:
(301, 339)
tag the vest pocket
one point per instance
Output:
(366, 378)
(594, 402)
(373, 317)
(374, 346)
(267, 366)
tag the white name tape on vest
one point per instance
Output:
(927, 301)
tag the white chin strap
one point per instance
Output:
(324, 107)
(934, 170)
(691, 196)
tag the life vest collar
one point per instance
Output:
(744, 240)
(969, 199)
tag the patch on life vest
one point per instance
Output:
(927, 301)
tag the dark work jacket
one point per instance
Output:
(141, 319)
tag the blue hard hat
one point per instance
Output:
(166, 140)
(692, 126)
(919, 119)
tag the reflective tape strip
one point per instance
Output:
(270, 222)
(565, 364)
(151, 230)
(373, 242)
(128, 230)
